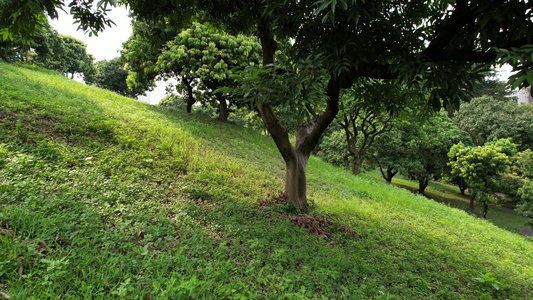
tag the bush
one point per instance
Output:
(510, 185)
(173, 101)
(525, 207)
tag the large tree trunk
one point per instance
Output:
(308, 135)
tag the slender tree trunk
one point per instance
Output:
(422, 184)
(462, 189)
(190, 94)
(223, 107)
(308, 135)
(485, 210)
(472, 200)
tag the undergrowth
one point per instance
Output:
(105, 197)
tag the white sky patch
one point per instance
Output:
(108, 43)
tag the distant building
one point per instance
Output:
(524, 95)
(145, 98)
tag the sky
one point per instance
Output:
(108, 43)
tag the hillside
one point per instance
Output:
(106, 197)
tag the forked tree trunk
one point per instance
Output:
(388, 175)
(308, 135)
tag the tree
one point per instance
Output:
(438, 46)
(487, 119)
(41, 51)
(23, 19)
(111, 75)
(525, 207)
(428, 148)
(74, 58)
(204, 59)
(366, 113)
(450, 32)
(482, 168)
(389, 151)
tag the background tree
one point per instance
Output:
(204, 58)
(389, 151)
(111, 75)
(366, 113)
(524, 168)
(74, 58)
(488, 119)
(142, 49)
(42, 51)
(23, 19)
(428, 148)
(492, 87)
(332, 148)
(482, 168)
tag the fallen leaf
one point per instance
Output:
(5, 295)
(20, 270)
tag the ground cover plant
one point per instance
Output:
(105, 197)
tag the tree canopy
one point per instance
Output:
(482, 168)
(488, 119)
(23, 18)
(111, 75)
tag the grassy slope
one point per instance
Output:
(109, 197)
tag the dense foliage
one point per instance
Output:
(488, 119)
(204, 59)
(112, 76)
(482, 168)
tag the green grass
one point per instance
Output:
(451, 196)
(106, 197)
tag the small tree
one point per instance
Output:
(366, 112)
(482, 168)
(428, 148)
(525, 207)
(389, 153)
(204, 58)
(112, 76)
